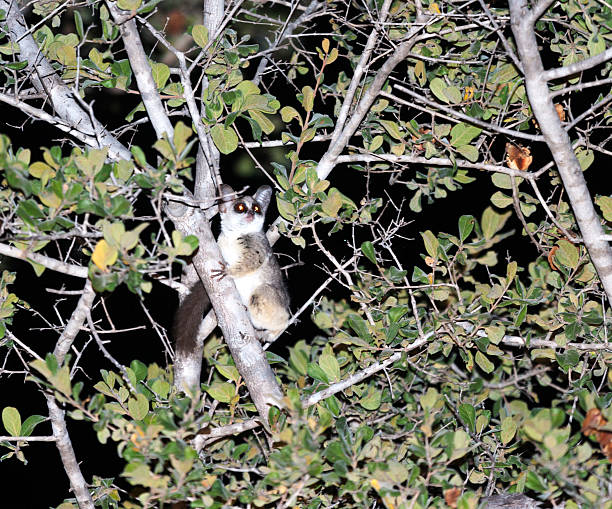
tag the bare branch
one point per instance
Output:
(61, 124)
(286, 32)
(142, 71)
(58, 421)
(462, 116)
(360, 70)
(27, 439)
(434, 161)
(46, 261)
(80, 313)
(576, 67)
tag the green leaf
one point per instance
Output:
(78, 23)
(129, 5)
(367, 248)
(376, 143)
(298, 359)
(567, 359)
(372, 398)
(329, 364)
(30, 423)
(466, 226)
(431, 243)
(267, 126)
(181, 135)
(453, 94)
(585, 157)
(288, 113)
(596, 44)
(535, 482)
(315, 371)
(392, 128)
(229, 372)
(438, 86)
(225, 139)
(200, 35)
(508, 430)
(483, 362)
(285, 209)
(605, 204)
(161, 73)
(521, 315)
(359, 325)
(567, 254)
(511, 272)
(500, 200)
(492, 222)
(138, 407)
(396, 313)
(468, 414)
(332, 204)
(308, 98)
(460, 445)
(222, 391)
(429, 399)
(462, 134)
(11, 420)
(470, 152)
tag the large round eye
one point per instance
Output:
(240, 207)
(256, 209)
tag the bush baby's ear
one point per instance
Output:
(227, 195)
(263, 196)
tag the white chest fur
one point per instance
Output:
(230, 249)
(245, 284)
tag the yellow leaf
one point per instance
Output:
(104, 255)
(325, 45)
(50, 199)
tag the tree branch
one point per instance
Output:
(142, 71)
(48, 83)
(56, 415)
(559, 144)
(434, 161)
(80, 313)
(576, 67)
(344, 132)
(287, 31)
(58, 122)
(463, 116)
(28, 439)
(46, 261)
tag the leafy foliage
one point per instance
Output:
(463, 363)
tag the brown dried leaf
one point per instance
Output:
(551, 255)
(518, 157)
(591, 426)
(450, 497)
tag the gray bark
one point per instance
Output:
(558, 141)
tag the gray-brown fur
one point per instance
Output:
(250, 261)
(188, 318)
(254, 250)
